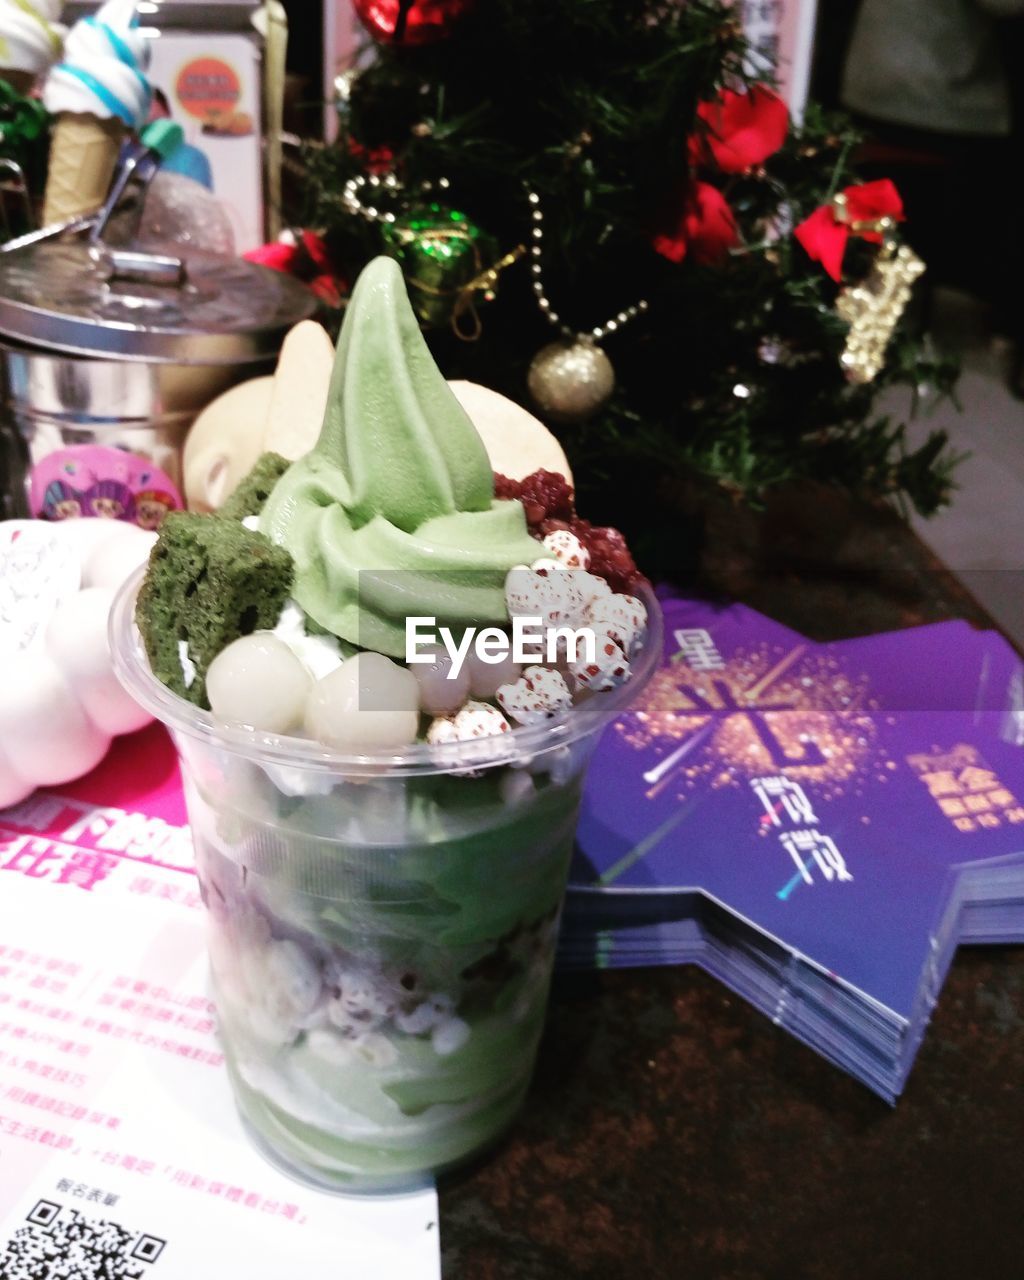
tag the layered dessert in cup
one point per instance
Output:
(383, 844)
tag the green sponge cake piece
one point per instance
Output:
(253, 491)
(209, 581)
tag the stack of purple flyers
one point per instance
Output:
(816, 825)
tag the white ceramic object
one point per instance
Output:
(517, 443)
(224, 442)
(60, 703)
(298, 399)
(283, 413)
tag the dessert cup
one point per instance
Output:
(381, 927)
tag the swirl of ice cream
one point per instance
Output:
(392, 514)
(102, 72)
(29, 40)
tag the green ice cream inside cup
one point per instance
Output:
(392, 514)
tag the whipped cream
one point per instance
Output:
(188, 667)
(29, 40)
(103, 69)
(320, 655)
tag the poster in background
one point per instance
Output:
(781, 33)
(206, 69)
(209, 83)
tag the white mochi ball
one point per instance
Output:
(441, 693)
(486, 677)
(368, 704)
(258, 681)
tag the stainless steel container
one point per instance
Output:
(107, 359)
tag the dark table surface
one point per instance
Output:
(673, 1131)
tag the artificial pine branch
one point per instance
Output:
(733, 375)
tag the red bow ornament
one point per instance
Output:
(305, 258)
(375, 160)
(706, 227)
(868, 210)
(740, 130)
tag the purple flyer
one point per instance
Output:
(844, 803)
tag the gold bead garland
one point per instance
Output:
(571, 379)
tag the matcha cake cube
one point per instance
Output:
(209, 581)
(252, 492)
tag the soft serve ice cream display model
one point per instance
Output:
(30, 40)
(382, 846)
(97, 94)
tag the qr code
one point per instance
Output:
(57, 1243)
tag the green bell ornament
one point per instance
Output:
(446, 260)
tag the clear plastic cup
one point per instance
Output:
(381, 927)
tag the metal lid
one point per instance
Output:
(59, 295)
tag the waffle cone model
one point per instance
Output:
(83, 154)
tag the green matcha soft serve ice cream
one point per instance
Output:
(392, 514)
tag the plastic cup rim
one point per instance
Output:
(519, 746)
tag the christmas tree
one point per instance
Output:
(605, 212)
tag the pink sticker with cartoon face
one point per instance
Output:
(90, 480)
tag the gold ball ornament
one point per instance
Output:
(570, 381)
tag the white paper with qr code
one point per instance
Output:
(121, 1154)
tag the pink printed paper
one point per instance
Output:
(118, 1134)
